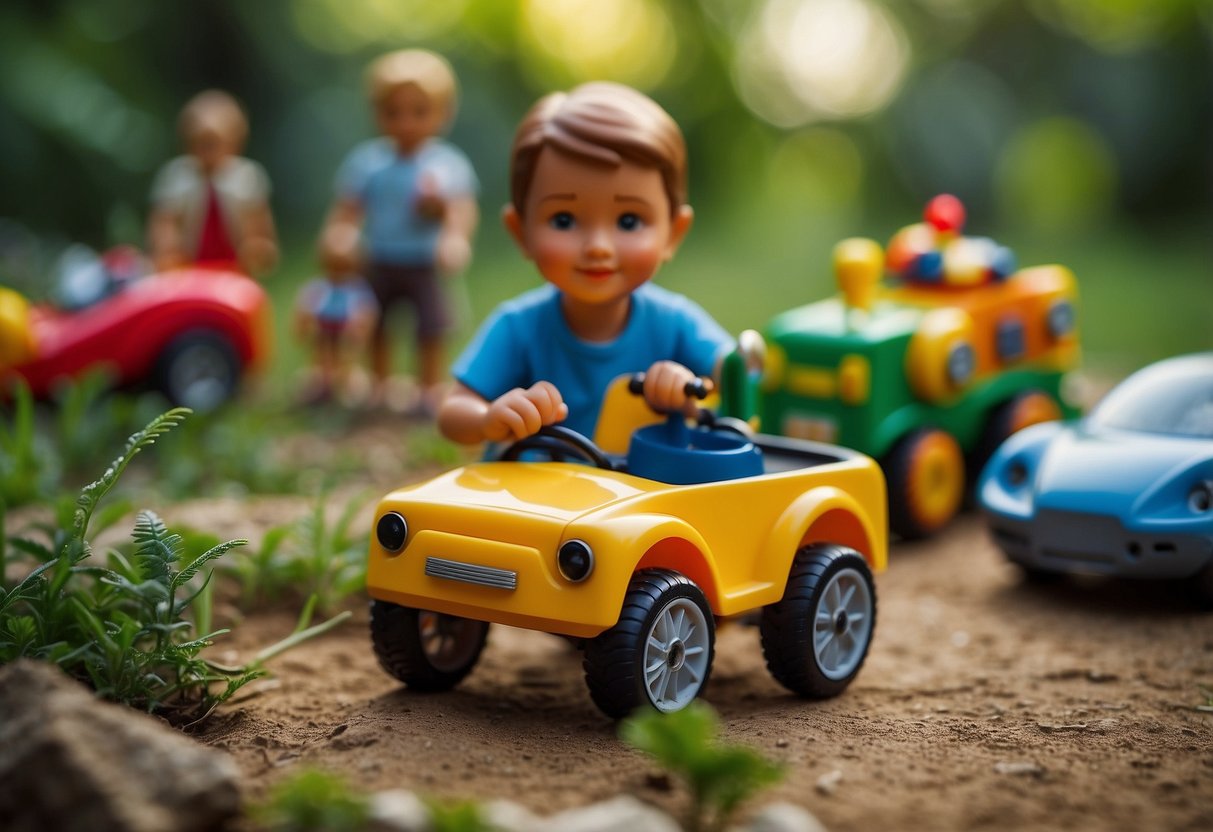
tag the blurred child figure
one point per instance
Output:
(211, 206)
(336, 313)
(598, 203)
(412, 196)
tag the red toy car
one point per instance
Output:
(191, 332)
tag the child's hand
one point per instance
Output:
(429, 204)
(665, 387)
(453, 254)
(521, 413)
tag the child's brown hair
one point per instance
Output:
(605, 123)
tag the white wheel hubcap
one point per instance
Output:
(676, 655)
(842, 624)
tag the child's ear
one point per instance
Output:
(680, 224)
(513, 224)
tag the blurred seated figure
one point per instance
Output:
(211, 206)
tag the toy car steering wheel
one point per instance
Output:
(695, 388)
(559, 441)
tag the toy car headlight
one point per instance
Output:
(392, 531)
(575, 560)
(1016, 474)
(1200, 498)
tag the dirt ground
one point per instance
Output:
(985, 703)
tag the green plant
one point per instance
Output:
(259, 571)
(719, 776)
(328, 560)
(313, 801)
(309, 557)
(122, 626)
(457, 816)
(26, 467)
(89, 417)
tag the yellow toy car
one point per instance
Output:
(636, 557)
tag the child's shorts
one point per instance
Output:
(417, 286)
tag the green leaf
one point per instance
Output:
(200, 561)
(91, 495)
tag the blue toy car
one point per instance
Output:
(1126, 491)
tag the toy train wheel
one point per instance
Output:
(1027, 408)
(926, 478)
(199, 369)
(815, 639)
(659, 654)
(428, 651)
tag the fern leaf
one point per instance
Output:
(91, 495)
(200, 561)
(155, 547)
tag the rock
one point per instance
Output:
(507, 816)
(398, 810)
(69, 761)
(827, 783)
(620, 814)
(783, 817)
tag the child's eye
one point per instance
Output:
(629, 221)
(561, 221)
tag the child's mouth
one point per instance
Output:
(597, 274)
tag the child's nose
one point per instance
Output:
(598, 243)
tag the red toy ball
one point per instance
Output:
(945, 213)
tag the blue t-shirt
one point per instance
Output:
(387, 185)
(337, 303)
(527, 340)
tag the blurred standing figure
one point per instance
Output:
(335, 314)
(412, 197)
(211, 206)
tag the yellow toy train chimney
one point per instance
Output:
(858, 264)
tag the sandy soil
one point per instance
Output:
(985, 704)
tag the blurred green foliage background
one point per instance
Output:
(1076, 131)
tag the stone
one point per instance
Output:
(782, 817)
(827, 783)
(398, 810)
(619, 814)
(73, 763)
(507, 816)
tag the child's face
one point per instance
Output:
(408, 116)
(211, 145)
(596, 232)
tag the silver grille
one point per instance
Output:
(470, 573)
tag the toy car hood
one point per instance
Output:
(1111, 472)
(533, 494)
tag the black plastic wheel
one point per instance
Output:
(428, 651)
(659, 654)
(816, 638)
(199, 369)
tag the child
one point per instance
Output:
(598, 187)
(337, 313)
(414, 198)
(211, 206)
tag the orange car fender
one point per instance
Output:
(825, 514)
(650, 541)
